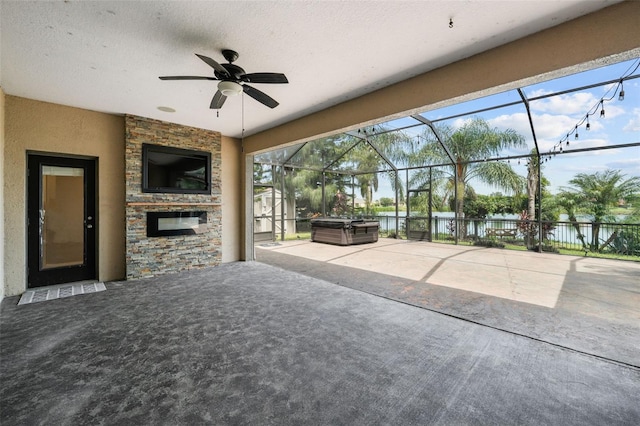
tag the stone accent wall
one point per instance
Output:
(152, 256)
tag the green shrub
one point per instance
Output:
(488, 243)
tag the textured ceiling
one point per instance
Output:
(107, 55)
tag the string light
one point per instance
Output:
(619, 89)
(621, 97)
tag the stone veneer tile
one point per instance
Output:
(154, 256)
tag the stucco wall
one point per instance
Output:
(50, 128)
(2, 238)
(232, 196)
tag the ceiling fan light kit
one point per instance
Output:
(233, 80)
(229, 88)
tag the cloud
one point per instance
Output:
(539, 92)
(591, 143)
(584, 168)
(518, 122)
(460, 122)
(549, 128)
(575, 104)
(634, 122)
(546, 146)
(612, 111)
(629, 166)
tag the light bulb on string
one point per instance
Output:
(621, 96)
(602, 110)
(588, 126)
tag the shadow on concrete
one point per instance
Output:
(597, 311)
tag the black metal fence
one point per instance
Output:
(619, 240)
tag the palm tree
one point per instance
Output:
(474, 140)
(365, 159)
(533, 179)
(598, 192)
(570, 202)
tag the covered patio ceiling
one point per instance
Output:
(107, 55)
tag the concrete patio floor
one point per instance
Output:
(587, 304)
(252, 344)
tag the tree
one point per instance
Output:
(474, 140)
(480, 206)
(303, 176)
(596, 194)
(533, 177)
(367, 160)
(386, 201)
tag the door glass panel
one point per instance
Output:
(62, 217)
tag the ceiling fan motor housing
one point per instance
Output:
(234, 71)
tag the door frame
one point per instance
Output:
(422, 234)
(89, 269)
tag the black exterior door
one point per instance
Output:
(61, 220)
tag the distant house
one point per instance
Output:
(267, 213)
(359, 203)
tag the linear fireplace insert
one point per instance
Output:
(163, 224)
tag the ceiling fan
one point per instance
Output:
(233, 80)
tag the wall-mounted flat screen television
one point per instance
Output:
(175, 170)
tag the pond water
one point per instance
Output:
(563, 231)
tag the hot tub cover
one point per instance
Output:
(335, 223)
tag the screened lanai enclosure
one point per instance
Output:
(553, 166)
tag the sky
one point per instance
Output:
(555, 117)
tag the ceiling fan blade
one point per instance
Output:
(265, 77)
(260, 96)
(218, 100)
(186, 77)
(213, 64)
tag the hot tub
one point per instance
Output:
(344, 232)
